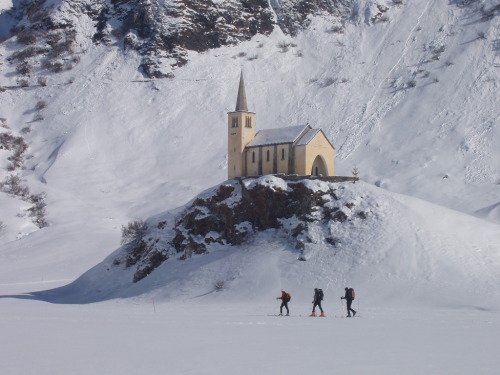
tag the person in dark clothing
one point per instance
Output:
(318, 297)
(349, 297)
(285, 298)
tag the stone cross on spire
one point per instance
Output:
(241, 102)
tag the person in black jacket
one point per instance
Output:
(349, 297)
(318, 297)
(285, 298)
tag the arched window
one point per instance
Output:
(267, 155)
(235, 122)
(282, 154)
(253, 156)
(248, 122)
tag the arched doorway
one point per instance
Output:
(319, 167)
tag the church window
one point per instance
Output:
(282, 154)
(253, 157)
(248, 122)
(267, 155)
(235, 122)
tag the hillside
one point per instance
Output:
(407, 94)
(396, 250)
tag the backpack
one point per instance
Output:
(320, 294)
(352, 293)
(288, 297)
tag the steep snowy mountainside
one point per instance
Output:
(408, 96)
(400, 247)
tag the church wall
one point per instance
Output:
(300, 160)
(253, 161)
(305, 155)
(283, 158)
(268, 155)
(319, 145)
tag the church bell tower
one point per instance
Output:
(240, 131)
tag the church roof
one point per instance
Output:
(308, 137)
(288, 134)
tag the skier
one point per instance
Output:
(318, 297)
(285, 298)
(349, 297)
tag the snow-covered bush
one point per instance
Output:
(133, 231)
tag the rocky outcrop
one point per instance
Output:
(235, 211)
(161, 31)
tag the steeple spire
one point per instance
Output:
(241, 102)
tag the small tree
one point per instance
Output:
(133, 231)
(355, 172)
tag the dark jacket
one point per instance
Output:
(348, 295)
(318, 296)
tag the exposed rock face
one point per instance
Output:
(233, 212)
(161, 31)
(295, 15)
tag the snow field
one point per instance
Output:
(139, 337)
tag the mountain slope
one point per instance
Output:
(408, 95)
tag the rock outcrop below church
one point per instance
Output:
(304, 210)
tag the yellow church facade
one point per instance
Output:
(298, 150)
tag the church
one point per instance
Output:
(292, 150)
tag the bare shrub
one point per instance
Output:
(41, 104)
(219, 285)
(25, 130)
(23, 83)
(26, 36)
(13, 185)
(134, 230)
(253, 57)
(53, 38)
(42, 81)
(27, 53)
(335, 30)
(355, 171)
(24, 68)
(37, 211)
(2, 226)
(38, 117)
(284, 46)
(411, 83)
(61, 48)
(53, 66)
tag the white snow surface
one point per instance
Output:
(111, 149)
